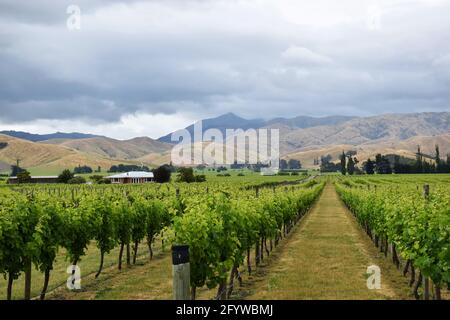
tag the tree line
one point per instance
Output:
(387, 164)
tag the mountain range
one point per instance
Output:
(303, 138)
(232, 121)
(42, 137)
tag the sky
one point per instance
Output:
(146, 68)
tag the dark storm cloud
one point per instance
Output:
(210, 57)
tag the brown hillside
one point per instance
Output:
(395, 127)
(42, 155)
(31, 154)
(114, 149)
(406, 148)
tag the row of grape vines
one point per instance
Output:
(221, 224)
(415, 227)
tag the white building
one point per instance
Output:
(131, 177)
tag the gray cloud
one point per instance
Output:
(211, 57)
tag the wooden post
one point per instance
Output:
(426, 281)
(28, 267)
(426, 191)
(181, 272)
(426, 288)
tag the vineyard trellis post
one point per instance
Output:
(426, 281)
(181, 272)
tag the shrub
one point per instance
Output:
(224, 175)
(96, 178)
(104, 181)
(186, 175)
(24, 177)
(82, 169)
(77, 180)
(162, 174)
(65, 176)
(200, 178)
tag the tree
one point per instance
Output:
(419, 161)
(369, 167)
(15, 170)
(77, 180)
(438, 157)
(96, 178)
(350, 166)
(127, 168)
(201, 167)
(382, 165)
(351, 153)
(283, 164)
(162, 174)
(24, 177)
(221, 168)
(400, 168)
(447, 165)
(343, 166)
(186, 175)
(82, 169)
(294, 164)
(440, 165)
(327, 166)
(65, 176)
(200, 178)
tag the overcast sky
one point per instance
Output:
(140, 68)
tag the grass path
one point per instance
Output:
(327, 257)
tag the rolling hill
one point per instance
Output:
(302, 138)
(232, 121)
(114, 149)
(406, 148)
(41, 137)
(51, 158)
(301, 132)
(394, 127)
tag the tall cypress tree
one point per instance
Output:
(439, 164)
(343, 165)
(419, 161)
(369, 167)
(350, 166)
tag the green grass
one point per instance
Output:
(248, 176)
(88, 264)
(326, 258)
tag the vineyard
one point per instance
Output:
(409, 220)
(230, 227)
(221, 223)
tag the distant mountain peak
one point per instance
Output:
(230, 115)
(232, 121)
(42, 137)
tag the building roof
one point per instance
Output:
(132, 174)
(38, 177)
